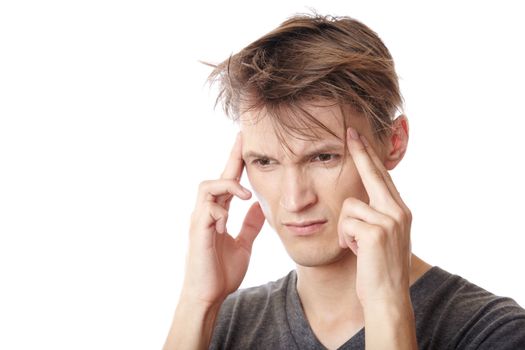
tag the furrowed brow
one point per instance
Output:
(321, 150)
(252, 154)
(307, 156)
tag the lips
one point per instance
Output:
(305, 228)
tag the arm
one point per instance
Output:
(216, 262)
(192, 326)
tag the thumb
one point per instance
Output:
(251, 226)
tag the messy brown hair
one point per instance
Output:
(307, 58)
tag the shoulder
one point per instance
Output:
(257, 297)
(250, 315)
(463, 315)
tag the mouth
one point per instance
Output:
(305, 228)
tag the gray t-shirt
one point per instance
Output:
(451, 313)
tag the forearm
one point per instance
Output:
(390, 325)
(192, 327)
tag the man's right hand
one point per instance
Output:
(217, 262)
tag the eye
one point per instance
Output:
(261, 162)
(326, 157)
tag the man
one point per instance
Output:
(316, 101)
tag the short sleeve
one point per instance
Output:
(510, 335)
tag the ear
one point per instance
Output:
(396, 144)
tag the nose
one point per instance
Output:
(297, 191)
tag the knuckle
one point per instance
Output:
(378, 235)
(399, 216)
(349, 201)
(409, 215)
(204, 185)
(228, 183)
(390, 224)
(217, 212)
(345, 225)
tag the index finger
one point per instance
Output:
(235, 164)
(371, 176)
(386, 175)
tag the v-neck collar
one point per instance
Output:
(300, 328)
(303, 333)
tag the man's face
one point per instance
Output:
(311, 185)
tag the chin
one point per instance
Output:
(316, 256)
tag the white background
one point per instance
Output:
(106, 129)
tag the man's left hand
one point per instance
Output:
(378, 232)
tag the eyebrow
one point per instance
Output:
(316, 151)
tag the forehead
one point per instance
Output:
(266, 131)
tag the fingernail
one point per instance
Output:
(353, 134)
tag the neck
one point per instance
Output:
(328, 292)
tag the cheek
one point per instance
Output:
(349, 184)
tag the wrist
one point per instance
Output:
(390, 323)
(199, 300)
(192, 325)
(394, 309)
(198, 307)
(386, 295)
